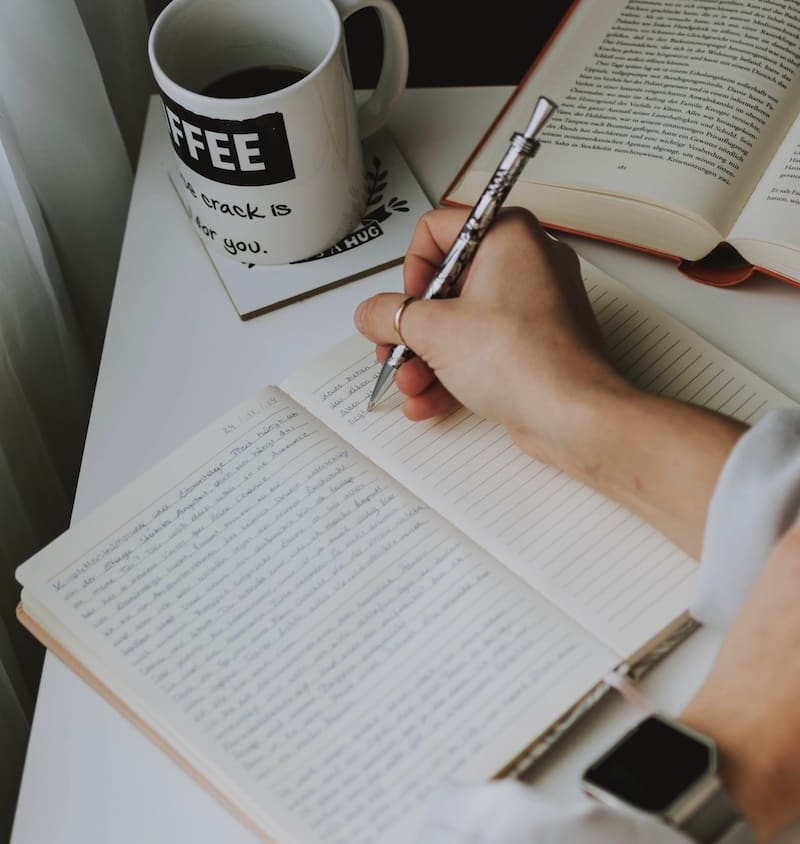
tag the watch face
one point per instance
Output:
(652, 766)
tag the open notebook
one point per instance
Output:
(323, 613)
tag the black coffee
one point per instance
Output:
(254, 81)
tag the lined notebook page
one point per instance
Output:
(308, 635)
(602, 564)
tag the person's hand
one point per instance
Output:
(519, 345)
(750, 701)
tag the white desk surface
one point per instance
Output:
(177, 356)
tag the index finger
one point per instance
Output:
(433, 236)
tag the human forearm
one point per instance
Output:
(748, 703)
(659, 457)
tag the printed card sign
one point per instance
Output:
(251, 152)
(395, 202)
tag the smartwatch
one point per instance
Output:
(668, 770)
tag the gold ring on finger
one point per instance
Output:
(398, 316)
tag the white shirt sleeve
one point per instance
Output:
(508, 812)
(756, 499)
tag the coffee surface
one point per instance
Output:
(254, 81)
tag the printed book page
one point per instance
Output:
(767, 232)
(661, 102)
(320, 645)
(603, 565)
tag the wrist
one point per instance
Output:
(751, 771)
(595, 432)
(658, 457)
(577, 431)
(670, 771)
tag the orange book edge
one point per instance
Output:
(80, 669)
(722, 267)
(517, 89)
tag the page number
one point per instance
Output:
(622, 166)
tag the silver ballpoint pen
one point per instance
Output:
(523, 146)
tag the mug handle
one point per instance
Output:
(373, 113)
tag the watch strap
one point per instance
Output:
(714, 818)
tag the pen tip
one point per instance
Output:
(381, 385)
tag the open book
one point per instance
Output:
(678, 132)
(323, 613)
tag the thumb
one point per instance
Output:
(375, 319)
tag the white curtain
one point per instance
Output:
(73, 88)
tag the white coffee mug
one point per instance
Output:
(273, 177)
